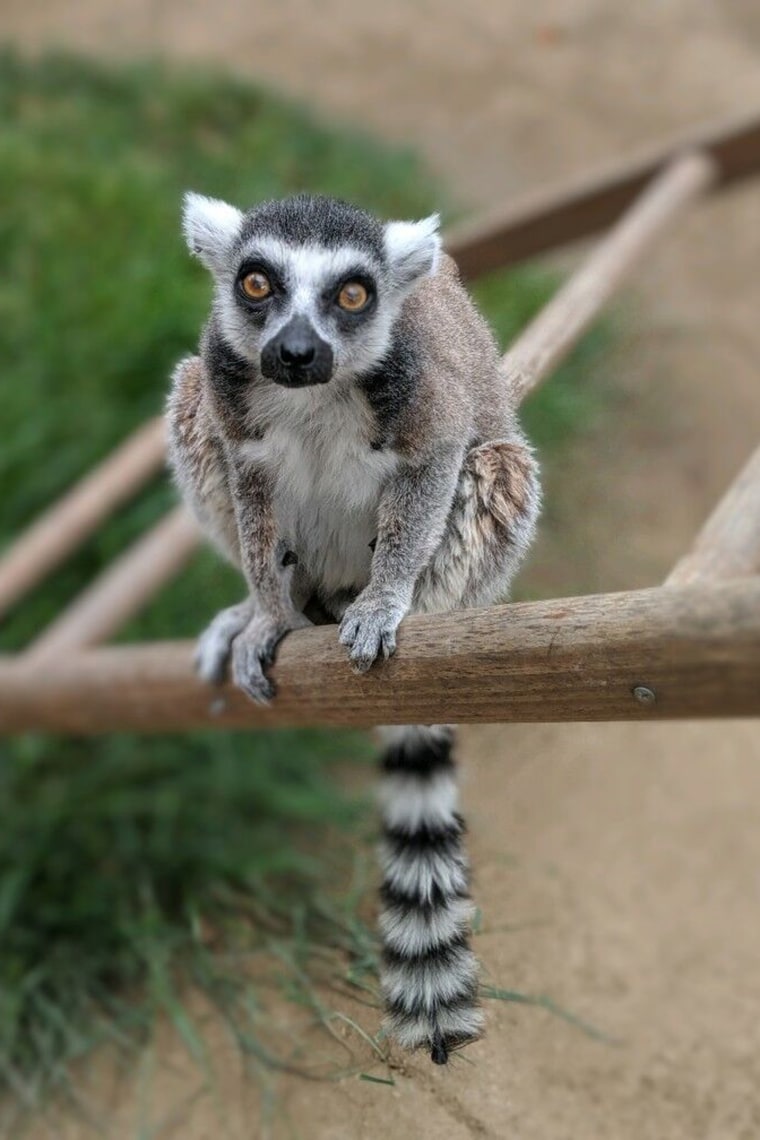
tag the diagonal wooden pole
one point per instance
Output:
(561, 323)
(548, 219)
(63, 527)
(728, 546)
(122, 590)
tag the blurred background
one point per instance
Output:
(185, 922)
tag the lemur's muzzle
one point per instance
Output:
(296, 356)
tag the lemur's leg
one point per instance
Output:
(269, 568)
(231, 498)
(411, 523)
(430, 975)
(488, 532)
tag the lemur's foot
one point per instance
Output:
(253, 652)
(368, 630)
(212, 654)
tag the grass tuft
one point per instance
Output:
(543, 1001)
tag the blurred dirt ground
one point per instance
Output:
(617, 866)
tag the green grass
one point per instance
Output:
(118, 855)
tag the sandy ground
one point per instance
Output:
(616, 865)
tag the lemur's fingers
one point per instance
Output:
(214, 647)
(253, 651)
(368, 630)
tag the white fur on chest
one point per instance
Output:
(328, 480)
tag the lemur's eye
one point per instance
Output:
(353, 297)
(256, 285)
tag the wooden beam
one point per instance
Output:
(66, 524)
(544, 220)
(122, 589)
(728, 546)
(696, 650)
(551, 335)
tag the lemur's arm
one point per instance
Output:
(262, 553)
(268, 568)
(413, 511)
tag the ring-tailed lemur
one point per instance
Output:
(345, 436)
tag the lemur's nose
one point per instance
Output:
(298, 353)
(297, 344)
(297, 356)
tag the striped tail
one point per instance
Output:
(429, 974)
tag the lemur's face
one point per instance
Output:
(308, 288)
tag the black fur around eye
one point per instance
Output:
(256, 283)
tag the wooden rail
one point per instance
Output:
(580, 208)
(696, 650)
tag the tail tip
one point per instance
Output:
(439, 1049)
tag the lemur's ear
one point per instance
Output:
(413, 248)
(210, 227)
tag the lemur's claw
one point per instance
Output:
(368, 631)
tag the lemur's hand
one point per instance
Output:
(369, 628)
(250, 641)
(214, 649)
(253, 651)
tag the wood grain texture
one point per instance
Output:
(545, 220)
(728, 546)
(577, 659)
(67, 523)
(561, 323)
(123, 588)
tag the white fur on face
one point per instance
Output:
(211, 229)
(307, 270)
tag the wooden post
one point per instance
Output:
(651, 654)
